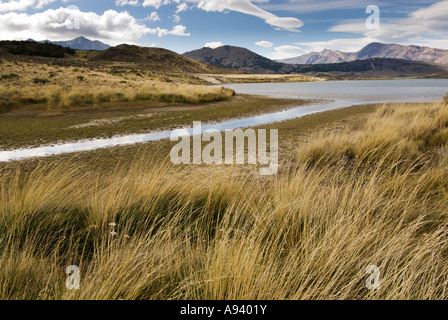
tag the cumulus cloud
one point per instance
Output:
(112, 27)
(179, 30)
(182, 7)
(213, 44)
(22, 5)
(155, 3)
(154, 16)
(264, 44)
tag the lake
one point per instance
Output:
(408, 90)
(337, 94)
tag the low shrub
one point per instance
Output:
(9, 76)
(40, 81)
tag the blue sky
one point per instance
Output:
(273, 28)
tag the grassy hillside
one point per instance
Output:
(236, 58)
(372, 192)
(122, 57)
(30, 84)
(155, 59)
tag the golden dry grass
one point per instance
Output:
(376, 195)
(57, 87)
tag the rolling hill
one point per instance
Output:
(156, 59)
(374, 50)
(124, 56)
(236, 58)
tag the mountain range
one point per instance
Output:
(374, 50)
(230, 59)
(80, 43)
(245, 60)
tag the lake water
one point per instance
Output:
(409, 90)
(337, 94)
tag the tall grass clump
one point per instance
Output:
(372, 195)
(83, 94)
(393, 135)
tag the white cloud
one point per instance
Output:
(286, 51)
(213, 44)
(154, 16)
(301, 6)
(176, 18)
(42, 3)
(111, 27)
(182, 7)
(179, 30)
(247, 7)
(242, 6)
(264, 44)
(155, 3)
(22, 5)
(426, 26)
(153, 44)
(121, 3)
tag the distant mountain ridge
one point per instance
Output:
(80, 43)
(248, 61)
(224, 60)
(374, 50)
(374, 68)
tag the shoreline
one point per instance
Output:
(123, 140)
(216, 112)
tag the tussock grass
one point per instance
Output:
(61, 88)
(375, 195)
(399, 134)
(56, 97)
